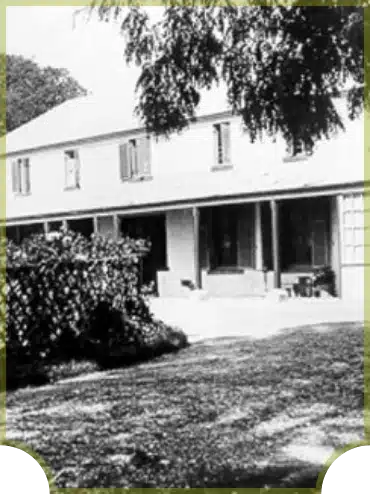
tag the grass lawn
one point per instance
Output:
(224, 413)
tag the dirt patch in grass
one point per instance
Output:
(225, 413)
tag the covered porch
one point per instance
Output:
(241, 247)
(248, 249)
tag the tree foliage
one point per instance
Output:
(31, 90)
(282, 66)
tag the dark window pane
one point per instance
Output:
(12, 233)
(26, 231)
(55, 226)
(224, 236)
(84, 226)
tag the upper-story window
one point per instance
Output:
(222, 144)
(21, 181)
(135, 159)
(72, 169)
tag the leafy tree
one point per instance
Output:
(31, 90)
(281, 65)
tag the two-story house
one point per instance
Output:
(234, 217)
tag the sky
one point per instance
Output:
(92, 51)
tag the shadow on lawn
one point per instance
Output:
(285, 476)
(298, 476)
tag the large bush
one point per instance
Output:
(71, 297)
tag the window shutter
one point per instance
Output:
(125, 171)
(225, 129)
(15, 177)
(133, 157)
(77, 170)
(27, 178)
(20, 176)
(215, 145)
(140, 150)
(145, 156)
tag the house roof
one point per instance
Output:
(92, 116)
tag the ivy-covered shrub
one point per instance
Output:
(69, 297)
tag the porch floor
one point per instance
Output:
(254, 318)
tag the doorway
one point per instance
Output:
(152, 228)
(305, 234)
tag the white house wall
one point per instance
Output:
(181, 169)
(180, 253)
(352, 282)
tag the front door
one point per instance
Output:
(224, 237)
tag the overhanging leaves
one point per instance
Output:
(281, 65)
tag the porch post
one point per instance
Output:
(197, 268)
(116, 229)
(65, 224)
(339, 218)
(96, 225)
(46, 227)
(18, 234)
(275, 242)
(258, 237)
